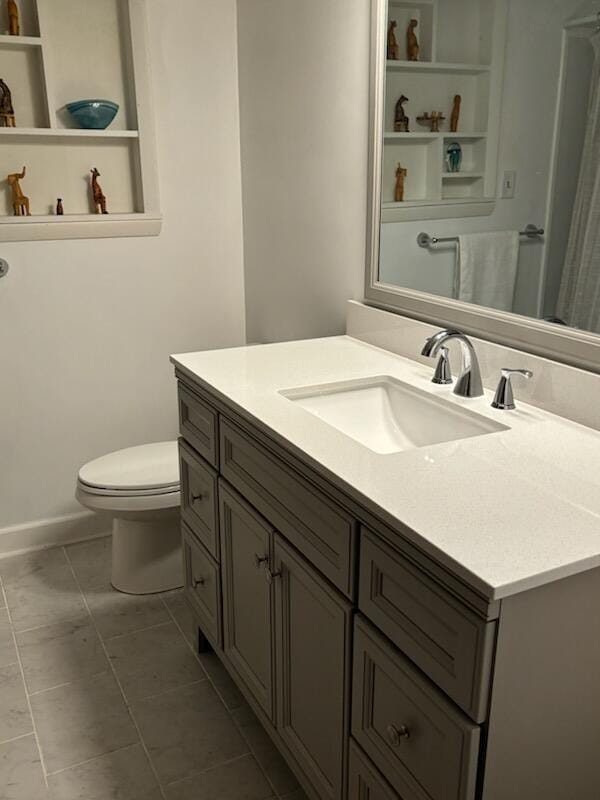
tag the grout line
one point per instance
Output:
(20, 663)
(74, 621)
(137, 630)
(16, 738)
(89, 760)
(211, 769)
(170, 691)
(116, 677)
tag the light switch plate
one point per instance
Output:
(508, 184)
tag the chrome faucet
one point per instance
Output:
(469, 382)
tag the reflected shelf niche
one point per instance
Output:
(462, 46)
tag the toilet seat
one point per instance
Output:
(146, 470)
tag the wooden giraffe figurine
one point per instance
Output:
(20, 203)
(98, 197)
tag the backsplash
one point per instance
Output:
(558, 388)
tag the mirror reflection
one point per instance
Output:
(491, 155)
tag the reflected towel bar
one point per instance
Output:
(425, 240)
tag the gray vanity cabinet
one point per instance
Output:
(246, 547)
(313, 635)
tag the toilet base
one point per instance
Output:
(146, 553)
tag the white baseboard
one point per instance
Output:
(45, 533)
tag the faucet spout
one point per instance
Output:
(469, 383)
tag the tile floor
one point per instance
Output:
(103, 698)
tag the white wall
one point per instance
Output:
(86, 327)
(304, 69)
(528, 113)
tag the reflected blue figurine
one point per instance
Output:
(454, 156)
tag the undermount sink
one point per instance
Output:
(389, 416)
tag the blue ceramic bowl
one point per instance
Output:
(95, 114)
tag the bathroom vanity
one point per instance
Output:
(408, 624)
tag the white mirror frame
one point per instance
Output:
(570, 346)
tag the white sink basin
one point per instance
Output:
(389, 416)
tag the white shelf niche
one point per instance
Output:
(422, 159)
(69, 40)
(425, 12)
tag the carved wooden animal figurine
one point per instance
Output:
(14, 24)
(401, 174)
(455, 113)
(393, 51)
(20, 203)
(7, 111)
(98, 197)
(401, 121)
(412, 43)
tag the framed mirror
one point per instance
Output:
(484, 186)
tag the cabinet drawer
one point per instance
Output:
(423, 745)
(321, 530)
(450, 643)
(198, 425)
(202, 586)
(364, 780)
(199, 498)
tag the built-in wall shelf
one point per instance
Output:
(20, 41)
(65, 133)
(433, 68)
(77, 50)
(462, 53)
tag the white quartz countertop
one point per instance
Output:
(506, 512)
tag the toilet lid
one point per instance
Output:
(151, 466)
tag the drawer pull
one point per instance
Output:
(196, 498)
(260, 560)
(199, 582)
(272, 575)
(395, 735)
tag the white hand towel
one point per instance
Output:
(488, 269)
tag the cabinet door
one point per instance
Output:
(313, 624)
(246, 542)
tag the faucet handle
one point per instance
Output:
(504, 399)
(443, 371)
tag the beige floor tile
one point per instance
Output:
(13, 570)
(238, 780)
(60, 653)
(222, 681)
(123, 775)
(82, 720)
(265, 752)
(299, 794)
(91, 562)
(21, 776)
(8, 654)
(41, 590)
(153, 661)
(186, 731)
(15, 719)
(183, 616)
(116, 613)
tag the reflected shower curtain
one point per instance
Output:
(579, 298)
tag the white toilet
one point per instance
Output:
(139, 487)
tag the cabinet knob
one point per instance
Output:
(260, 560)
(395, 735)
(196, 497)
(199, 582)
(272, 575)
